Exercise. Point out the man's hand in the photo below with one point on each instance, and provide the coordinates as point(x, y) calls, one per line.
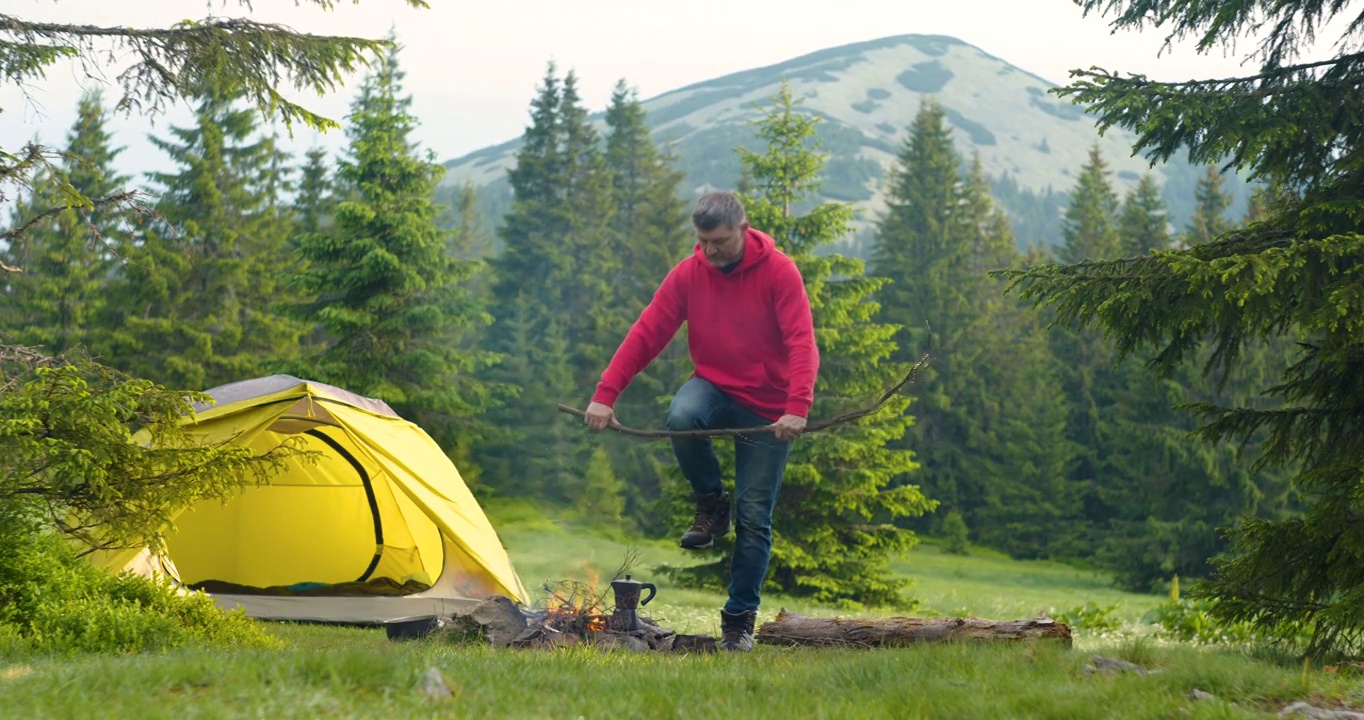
point(599, 416)
point(788, 427)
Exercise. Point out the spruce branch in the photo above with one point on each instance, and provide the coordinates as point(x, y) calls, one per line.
point(1218, 23)
point(177, 61)
point(119, 198)
point(1220, 84)
point(126, 199)
point(839, 419)
point(1296, 123)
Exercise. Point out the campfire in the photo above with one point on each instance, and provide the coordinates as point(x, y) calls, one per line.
point(572, 607)
point(576, 613)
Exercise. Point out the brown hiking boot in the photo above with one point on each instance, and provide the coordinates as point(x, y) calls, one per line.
point(712, 521)
point(736, 630)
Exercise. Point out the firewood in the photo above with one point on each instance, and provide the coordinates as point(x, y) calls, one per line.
point(794, 629)
point(496, 619)
point(695, 644)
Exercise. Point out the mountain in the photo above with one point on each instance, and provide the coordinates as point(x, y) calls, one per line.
point(1031, 143)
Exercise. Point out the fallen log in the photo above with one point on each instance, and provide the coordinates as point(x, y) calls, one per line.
point(794, 629)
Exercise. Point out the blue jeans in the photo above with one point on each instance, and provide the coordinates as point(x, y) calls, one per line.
point(760, 462)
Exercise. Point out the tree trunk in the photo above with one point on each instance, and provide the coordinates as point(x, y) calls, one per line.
point(793, 629)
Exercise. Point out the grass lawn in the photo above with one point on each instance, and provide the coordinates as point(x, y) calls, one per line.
point(349, 672)
point(990, 585)
point(335, 673)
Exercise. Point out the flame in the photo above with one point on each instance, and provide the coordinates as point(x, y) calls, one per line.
point(574, 606)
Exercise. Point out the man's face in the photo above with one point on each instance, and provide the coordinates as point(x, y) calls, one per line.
point(723, 245)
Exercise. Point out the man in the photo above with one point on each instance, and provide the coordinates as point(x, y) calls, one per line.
point(752, 341)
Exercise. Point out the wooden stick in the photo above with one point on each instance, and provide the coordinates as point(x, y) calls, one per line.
point(840, 419)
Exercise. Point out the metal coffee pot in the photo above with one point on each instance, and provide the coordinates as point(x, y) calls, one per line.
point(627, 593)
point(625, 618)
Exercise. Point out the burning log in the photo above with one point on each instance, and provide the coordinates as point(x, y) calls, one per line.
point(793, 629)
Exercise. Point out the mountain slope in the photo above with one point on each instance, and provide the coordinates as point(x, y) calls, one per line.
point(1031, 144)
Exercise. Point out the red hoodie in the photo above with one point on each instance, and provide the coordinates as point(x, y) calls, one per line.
point(749, 331)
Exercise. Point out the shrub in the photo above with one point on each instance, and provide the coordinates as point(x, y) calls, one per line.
point(71, 452)
point(92, 459)
point(956, 536)
point(1193, 621)
point(52, 601)
point(1091, 618)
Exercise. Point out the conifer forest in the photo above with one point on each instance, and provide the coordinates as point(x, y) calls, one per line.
point(1164, 403)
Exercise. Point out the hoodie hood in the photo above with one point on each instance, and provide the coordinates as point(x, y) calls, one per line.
point(758, 245)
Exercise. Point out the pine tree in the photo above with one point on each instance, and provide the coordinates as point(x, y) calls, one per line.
point(532, 256)
point(1169, 496)
point(1165, 497)
point(1157, 510)
point(924, 248)
point(1088, 226)
point(1143, 226)
point(1005, 399)
point(1090, 381)
point(602, 501)
point(988, 231)
point(1088, 375)
point(650, 234)
point(469, 243)
point(592, 328)
point(68, 257)
point(470, 240)
point(987, 420)
point(1016, 446)
point(1293, 276)
point(1211, 203)
point(920, 237)
point(651, 221)
point(1153, 499)
point(554, 277)
point(833, 529)
point(391, 300)
point(194, 306)
point(532, 452)
point(314, 204)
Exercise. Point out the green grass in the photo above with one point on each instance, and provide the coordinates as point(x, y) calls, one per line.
point(342, 673)
point(350, 672)
point(986, 584)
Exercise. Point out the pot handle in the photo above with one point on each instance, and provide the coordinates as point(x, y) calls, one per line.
point(652, 591)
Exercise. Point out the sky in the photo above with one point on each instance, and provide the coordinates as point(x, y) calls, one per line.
point(472, 67)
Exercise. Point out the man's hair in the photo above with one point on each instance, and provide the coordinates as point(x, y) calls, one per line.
point(718, 208)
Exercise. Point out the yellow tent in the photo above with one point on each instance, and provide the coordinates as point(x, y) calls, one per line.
point(378, 528)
